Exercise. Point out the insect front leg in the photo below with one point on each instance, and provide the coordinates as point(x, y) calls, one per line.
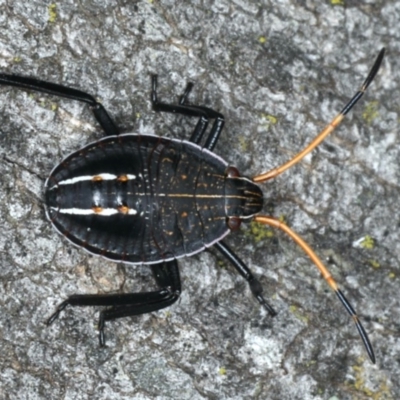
point(100, 113)
point(243, 269)
point(204, 114)
point(128, 304)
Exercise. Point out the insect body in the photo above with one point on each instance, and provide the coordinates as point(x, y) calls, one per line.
point(151, 200)
point(142, 199)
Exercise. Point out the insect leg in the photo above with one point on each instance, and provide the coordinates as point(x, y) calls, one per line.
point(243, 270)
point(204, 114)
point(54, 89)
point(127, 304)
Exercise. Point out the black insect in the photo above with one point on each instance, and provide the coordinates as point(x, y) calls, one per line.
point(141, 199)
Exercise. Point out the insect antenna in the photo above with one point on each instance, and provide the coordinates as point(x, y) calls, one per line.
point(328, 129)
point(325, 274)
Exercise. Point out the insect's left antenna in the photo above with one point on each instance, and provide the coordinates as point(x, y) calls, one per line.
point(329, 128)
point(326, 275)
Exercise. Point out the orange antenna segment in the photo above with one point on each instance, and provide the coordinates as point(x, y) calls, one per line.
point(328, 129)
point(325, 273)
point(306, 248)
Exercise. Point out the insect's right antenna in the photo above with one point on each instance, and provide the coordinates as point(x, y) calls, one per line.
point(328, 129)
point(326, 275)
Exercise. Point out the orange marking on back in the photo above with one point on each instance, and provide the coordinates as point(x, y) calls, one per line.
point(122, 178)
point(123, 209)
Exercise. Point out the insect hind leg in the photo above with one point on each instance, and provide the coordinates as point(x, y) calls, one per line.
point(204, 114)
point(100, 113)
point(128, 304)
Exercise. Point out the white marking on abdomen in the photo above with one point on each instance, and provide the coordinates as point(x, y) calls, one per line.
point(105, 212)
point(104, 177)
point(71, 181)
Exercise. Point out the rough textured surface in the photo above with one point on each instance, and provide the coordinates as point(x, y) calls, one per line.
point(278, 71)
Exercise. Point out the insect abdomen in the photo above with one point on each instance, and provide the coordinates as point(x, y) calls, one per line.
point(138, 199)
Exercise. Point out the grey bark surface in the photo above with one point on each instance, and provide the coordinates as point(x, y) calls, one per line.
point(278, 71)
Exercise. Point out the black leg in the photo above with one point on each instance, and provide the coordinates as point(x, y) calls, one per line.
point(204, 114)
point(99, 111)
point(243, 270)
point(127, 304)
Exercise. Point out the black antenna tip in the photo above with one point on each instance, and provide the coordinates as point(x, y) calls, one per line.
point(365, 339)
point(374, 69)
point(360, 328)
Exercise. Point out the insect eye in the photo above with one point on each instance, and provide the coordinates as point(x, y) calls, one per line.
point(233, 223)
point(232, 172)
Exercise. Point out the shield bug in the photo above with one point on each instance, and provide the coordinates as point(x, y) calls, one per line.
point(141, 199)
